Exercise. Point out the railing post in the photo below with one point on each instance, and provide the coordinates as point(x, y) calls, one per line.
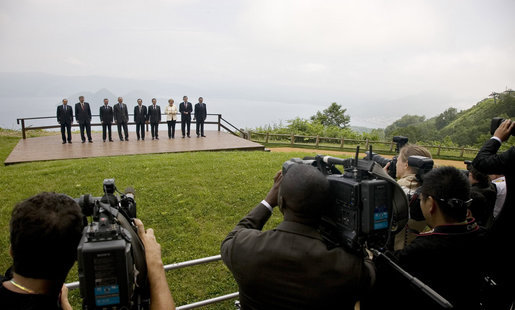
point(267, 135)
point(462, 150)
point(438, 152)
point(366, 144)
point(23, 128)
point(318, 141)
point(219, 121)
point(292, 139)
point(391, 146)
point(343, 141)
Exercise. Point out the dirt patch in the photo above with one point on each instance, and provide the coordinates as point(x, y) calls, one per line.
point(438, 162)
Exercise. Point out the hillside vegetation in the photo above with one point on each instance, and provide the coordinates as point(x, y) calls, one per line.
point(452, 128)
point(469, 127)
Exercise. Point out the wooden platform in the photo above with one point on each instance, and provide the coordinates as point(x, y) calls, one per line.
point(51, 147)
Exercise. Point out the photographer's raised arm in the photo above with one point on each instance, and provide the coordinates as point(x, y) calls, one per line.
point(160, 295)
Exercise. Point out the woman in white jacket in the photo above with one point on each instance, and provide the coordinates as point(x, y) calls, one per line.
point(171, 118)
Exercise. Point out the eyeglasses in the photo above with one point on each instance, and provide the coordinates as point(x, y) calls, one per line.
point(451, 202)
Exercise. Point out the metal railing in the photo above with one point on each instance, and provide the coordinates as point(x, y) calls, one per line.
point(26, 127)
point(200, 261)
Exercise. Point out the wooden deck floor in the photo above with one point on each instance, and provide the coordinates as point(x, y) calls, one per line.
point(51, 147)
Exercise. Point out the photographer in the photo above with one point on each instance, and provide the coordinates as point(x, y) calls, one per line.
point(44, 232)
point(408, 180)
point(448, 258)
point(290, 267)
point(501, 233)
point(483, 193)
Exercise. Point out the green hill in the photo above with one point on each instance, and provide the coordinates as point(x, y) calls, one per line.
point(469, 127)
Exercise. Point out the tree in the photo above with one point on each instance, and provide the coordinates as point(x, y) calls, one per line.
point(446, 118)
point(334, 115)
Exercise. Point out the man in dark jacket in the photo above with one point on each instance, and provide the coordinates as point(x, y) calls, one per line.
point(154, 116)
point(200, 116)
point(121, 118)
point(65, 119)
point(106, 118)
point(83, 117)
point(290, 267)
point(140, 118)
point(501, 233)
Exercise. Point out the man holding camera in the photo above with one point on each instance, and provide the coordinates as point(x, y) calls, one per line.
point(501, 233)
point(290, 267)
point(45, 231)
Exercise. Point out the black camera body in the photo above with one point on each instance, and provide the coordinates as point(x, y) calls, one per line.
point(494, 124)
point(400, 141)
point(361, 211)
point(111, 257)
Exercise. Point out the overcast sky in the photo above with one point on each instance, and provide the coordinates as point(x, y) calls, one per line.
point(376, 58)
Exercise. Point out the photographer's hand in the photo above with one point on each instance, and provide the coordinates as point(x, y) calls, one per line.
point(160, 296)
point(272, 195)
point(63, 298)
point(503, 132)
point(385, 168)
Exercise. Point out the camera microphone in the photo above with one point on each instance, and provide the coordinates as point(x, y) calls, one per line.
point(129, 192)
point(337, 161)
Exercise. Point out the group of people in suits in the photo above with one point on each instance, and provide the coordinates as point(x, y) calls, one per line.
point(120, 116)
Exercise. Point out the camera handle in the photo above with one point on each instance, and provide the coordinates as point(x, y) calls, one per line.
point(442, 302)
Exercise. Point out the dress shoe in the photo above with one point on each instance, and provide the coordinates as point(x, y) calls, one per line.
point(126, 139)
point(69, 142)
point(152, 138)
point(189, 136)
point(157, 138)
point(104, 140)
point(110, 140)
point(183, 137)
point(90, 141)
point(64, 142)
point(83, 141)
point(203, 136)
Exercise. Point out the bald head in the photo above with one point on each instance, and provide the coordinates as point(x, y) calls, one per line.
point(304, 192)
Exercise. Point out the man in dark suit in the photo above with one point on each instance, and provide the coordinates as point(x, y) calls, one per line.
point(290, 267)
point(154, 116)
point(106, 118)
point(83, 117)
point(501, 233)
point(121, 118)
point(185, 108)
point(200, 116)
point(140, 117)
point(65, 119)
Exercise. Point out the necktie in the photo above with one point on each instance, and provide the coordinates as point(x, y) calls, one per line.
point(82, 106)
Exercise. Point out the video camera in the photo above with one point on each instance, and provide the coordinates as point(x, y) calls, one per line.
point(111, 256)
point(366, 207)
point(400, 141)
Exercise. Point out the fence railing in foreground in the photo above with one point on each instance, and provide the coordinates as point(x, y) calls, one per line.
point(204, 260)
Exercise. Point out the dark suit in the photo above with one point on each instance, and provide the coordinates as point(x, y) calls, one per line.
point(154, 116)
point(200, 116)
point(140, 117)
point(83, 117)
point(106, 118)
point(290, 267)
point(185, 110)
point(501, 233)
point(121, 117)
point(65, 118)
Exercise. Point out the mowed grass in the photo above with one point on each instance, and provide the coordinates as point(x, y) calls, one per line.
point(191, 200)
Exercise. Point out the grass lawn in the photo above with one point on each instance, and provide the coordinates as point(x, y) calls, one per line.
point(192, 200)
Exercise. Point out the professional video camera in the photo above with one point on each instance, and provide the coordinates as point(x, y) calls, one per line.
point(400, 141)
point(111, 257)
point(366, 207)
point(494, 124)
